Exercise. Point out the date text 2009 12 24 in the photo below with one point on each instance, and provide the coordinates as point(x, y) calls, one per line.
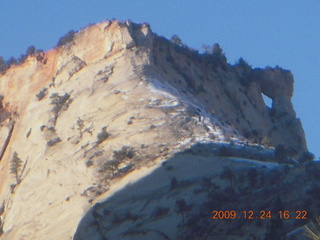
point(299, 214)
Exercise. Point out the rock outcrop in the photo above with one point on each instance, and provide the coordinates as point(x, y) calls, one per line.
point(91, 117)
point(233, 94)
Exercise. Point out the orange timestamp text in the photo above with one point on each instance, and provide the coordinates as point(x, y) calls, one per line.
point(299, 214)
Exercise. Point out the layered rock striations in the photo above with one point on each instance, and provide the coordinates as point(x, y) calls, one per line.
point(115, 102)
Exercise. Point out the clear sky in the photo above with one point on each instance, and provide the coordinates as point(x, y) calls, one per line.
point(264, 33)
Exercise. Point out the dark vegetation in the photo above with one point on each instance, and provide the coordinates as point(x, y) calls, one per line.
point(80, 127)
point(53, 141)
point(103, 135)
point(125, 152)
point(32, 51)
point(212, 57)
point(175, 39)
point(215, 56)
point(61, 103)
point(181, 208)
point(43, 92)
point(109, 168)
point(119, 156)
point(67, 38)
point(228, 174)
point(15, 167)
point(4, 65)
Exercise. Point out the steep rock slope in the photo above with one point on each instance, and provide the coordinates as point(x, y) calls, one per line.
point(120, 99)
point(233, 94)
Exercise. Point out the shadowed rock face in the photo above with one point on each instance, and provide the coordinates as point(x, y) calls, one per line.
point(116, 100)
point(149, 208)
point(234, 93)
point(277, 84)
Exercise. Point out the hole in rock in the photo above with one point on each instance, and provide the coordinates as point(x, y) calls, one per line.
point(267, 101)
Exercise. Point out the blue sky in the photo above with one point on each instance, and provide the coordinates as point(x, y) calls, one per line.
point(264, 33)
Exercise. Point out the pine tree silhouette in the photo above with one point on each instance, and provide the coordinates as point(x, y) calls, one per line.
point(275, 227)
point(182, 208)
point(15, 166)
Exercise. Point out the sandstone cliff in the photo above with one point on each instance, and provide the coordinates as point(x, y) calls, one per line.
point(118, 101)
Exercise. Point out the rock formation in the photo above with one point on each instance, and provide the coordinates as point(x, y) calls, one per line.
point(104, 111)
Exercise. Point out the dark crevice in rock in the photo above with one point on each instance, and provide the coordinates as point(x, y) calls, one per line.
point(5, 145)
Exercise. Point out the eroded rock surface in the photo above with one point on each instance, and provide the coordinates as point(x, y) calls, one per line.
point(118, 99)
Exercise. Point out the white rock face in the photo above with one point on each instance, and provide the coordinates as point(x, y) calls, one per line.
point(112, 87)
